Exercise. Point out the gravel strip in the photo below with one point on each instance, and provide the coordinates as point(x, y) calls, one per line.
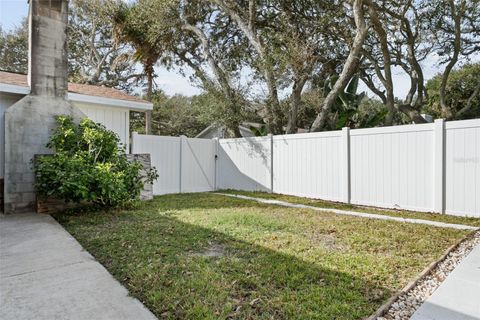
point(408, 302)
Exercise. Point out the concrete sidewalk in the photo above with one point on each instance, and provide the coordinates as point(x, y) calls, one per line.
point(458, 297)
point(46, 274)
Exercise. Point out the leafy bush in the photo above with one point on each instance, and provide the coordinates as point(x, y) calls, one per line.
point(89, 164)
point(462, 95)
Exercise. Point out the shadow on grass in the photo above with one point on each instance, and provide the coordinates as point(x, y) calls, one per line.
point(163, 262)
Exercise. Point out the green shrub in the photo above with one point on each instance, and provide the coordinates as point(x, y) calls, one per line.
point(88, 165)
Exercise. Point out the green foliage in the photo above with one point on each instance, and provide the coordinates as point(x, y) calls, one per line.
point(14, 48)
point(259, 132)
point(88, 165)
point(181, 115)
point(347, 102)
point(461, 93)
point(176, 115)
point(371, 113)
point(347, 107)
point(93, 55)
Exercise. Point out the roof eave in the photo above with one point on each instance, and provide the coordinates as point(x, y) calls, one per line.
point(132, 105)
point(77, 97)
point(15, 89)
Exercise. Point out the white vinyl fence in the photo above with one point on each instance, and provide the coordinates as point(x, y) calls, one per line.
point(183, 164)
point(429, 167)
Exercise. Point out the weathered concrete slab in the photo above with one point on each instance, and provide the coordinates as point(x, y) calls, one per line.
point(46, 274)
point(458, 297)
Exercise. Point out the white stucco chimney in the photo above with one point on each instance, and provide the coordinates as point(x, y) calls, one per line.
point(30, 121)
point(47, 69)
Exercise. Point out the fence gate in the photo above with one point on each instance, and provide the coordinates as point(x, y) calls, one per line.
point(183, 164)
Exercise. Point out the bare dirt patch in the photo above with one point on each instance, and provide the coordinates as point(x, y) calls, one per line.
point(214, 250)
point(326, 240)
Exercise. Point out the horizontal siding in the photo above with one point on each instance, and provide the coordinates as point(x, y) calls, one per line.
point(5, 102)
point(114, 119)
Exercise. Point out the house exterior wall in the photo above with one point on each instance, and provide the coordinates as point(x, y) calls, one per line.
point(115, 119)
point(5, 102)
point(28, 126)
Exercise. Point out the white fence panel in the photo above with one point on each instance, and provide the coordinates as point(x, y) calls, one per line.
point(427, 167)
point(165, 156)
point(462, 167)
point(244, 164)
point(183, 164)
point(310, 165)
point(198, 165)
point(393, 167)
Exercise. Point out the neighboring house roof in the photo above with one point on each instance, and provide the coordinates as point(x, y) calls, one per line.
point(216, 130)
point(17, 83)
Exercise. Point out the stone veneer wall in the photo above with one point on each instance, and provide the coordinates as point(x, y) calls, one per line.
point(144, 159)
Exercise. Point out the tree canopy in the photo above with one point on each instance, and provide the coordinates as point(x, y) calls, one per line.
point(273, 59)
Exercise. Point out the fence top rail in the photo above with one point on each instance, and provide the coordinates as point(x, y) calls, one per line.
point(151, 136)
point(473, 123)
point(248, 139)
point(353, 132)
point(310, 135)
point(200, 140)
point(393, 129)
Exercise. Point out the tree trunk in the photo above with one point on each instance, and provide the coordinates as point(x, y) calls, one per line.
point(274, 110)
point(348, 69)
point(412, 113)
point(221, 77)
point(295, 104)
point(148, 114)
point(236, 131)
point(248, 28)
point(469, 104)
point(387, 61)
point(457, 16)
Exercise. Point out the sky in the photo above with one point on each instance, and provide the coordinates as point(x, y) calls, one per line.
point(12, 12)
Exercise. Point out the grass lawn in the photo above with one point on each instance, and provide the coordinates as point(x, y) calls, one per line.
point(343, 206)
point(207, 256)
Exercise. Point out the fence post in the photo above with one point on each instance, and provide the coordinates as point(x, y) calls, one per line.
point(215, 159)
point(181, 142)
point(439, 166)
point(133, 144)
point(346, 164)
point(270, 136)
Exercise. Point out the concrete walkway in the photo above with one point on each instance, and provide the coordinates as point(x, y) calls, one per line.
point(353, 213)
point(46, 274)
point(458, 297)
